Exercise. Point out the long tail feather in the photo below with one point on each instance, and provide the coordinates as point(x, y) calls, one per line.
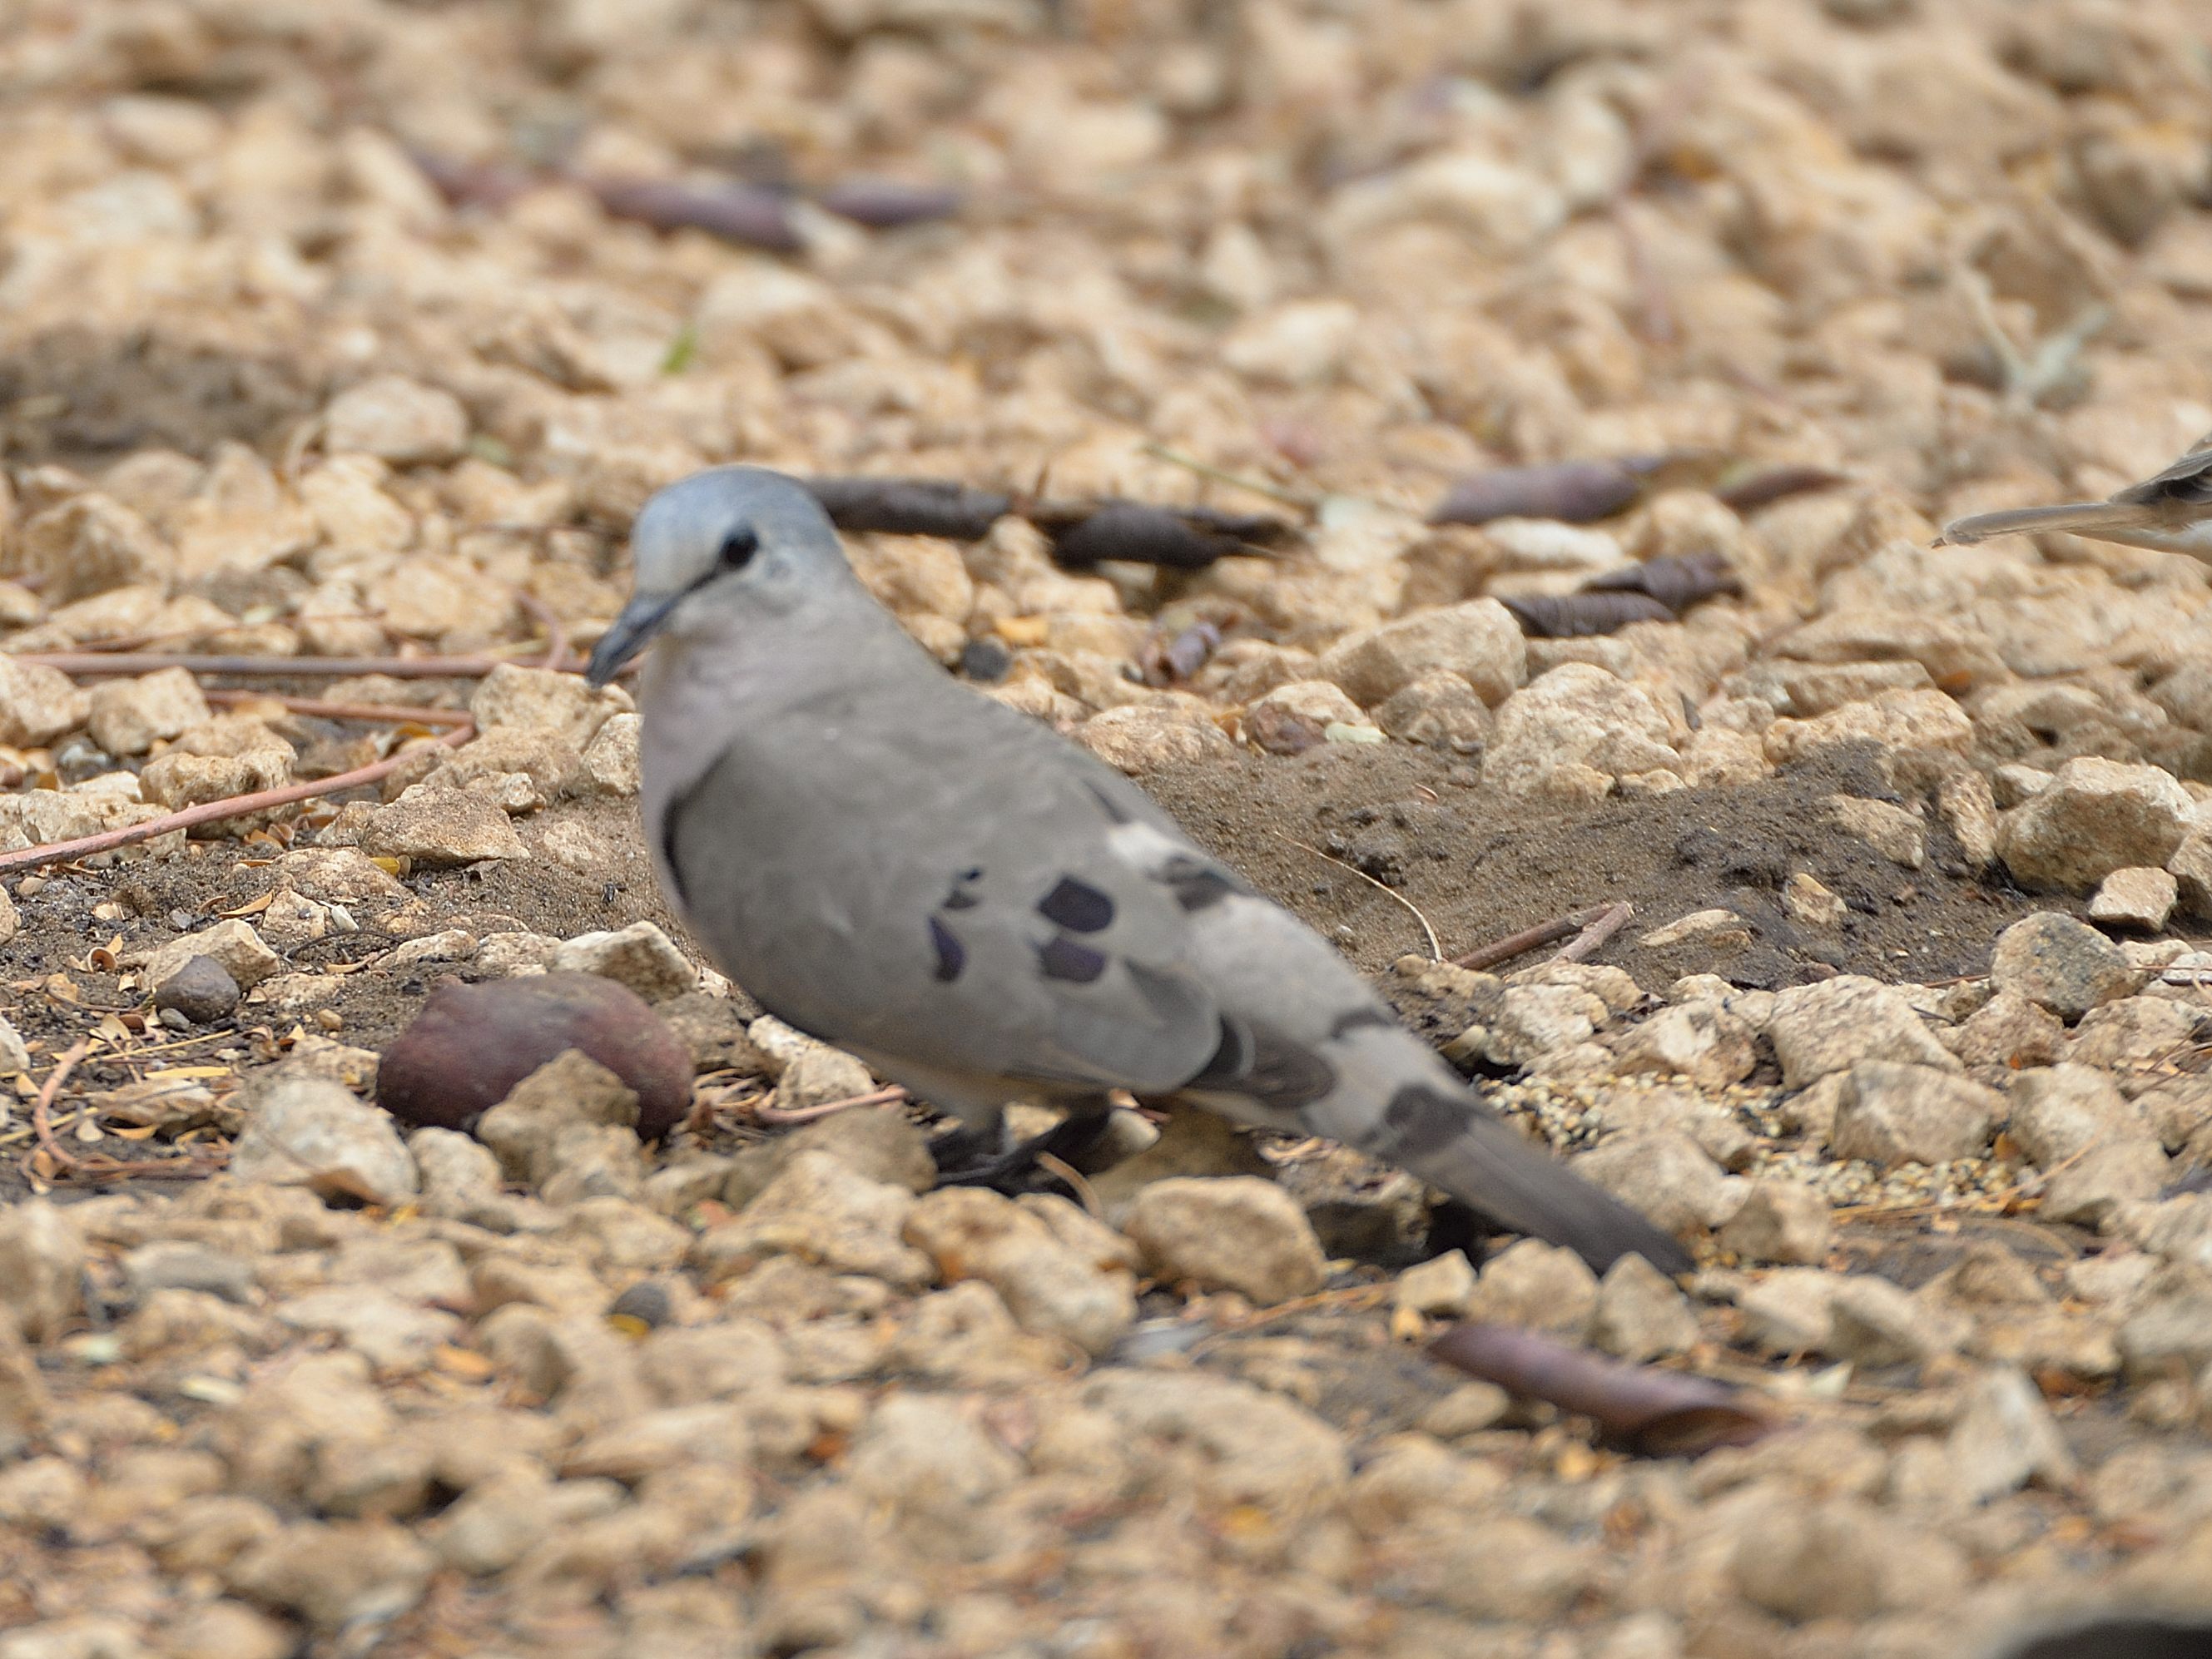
point(2088, 517)
point(1488, 1164)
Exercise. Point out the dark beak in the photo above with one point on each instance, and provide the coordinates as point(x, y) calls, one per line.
point(632, 632)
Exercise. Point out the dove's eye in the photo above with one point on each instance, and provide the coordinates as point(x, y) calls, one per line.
point(737, 547)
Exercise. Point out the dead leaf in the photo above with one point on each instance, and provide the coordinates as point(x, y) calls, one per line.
point(1662, 1413)
point(1677, 582)
point(1575, 492)
point(1579, 616)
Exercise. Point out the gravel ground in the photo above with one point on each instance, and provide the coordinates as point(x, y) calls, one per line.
point(332, 331)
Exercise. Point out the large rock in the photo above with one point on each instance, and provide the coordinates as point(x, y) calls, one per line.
point(1832, 1024)
point(233, 946)
point(1240, 1233)
point(1538, 1286)
point(2008, 1031)
point(1891, 1114)
point(2168, 1328)
point(1068, 1280)
point(356, 1573)
point(569, 1129)
point(89, 543)
point(128, 716)
point(510, 696)
point(1781, 1221)
point(1141, 737)
point(397, 420)
point(2058, 1112)
point(1666, 1176)
point(641, 956)
point(303, 1130)
point(610, 766)
point(1920, 735)
point(441, 827)
point(2062, 964)
point(2094, 816)
point(820, 1210)
point(1839, 1559)
point(2108, 1175)
point(37, 704)
point(1640, 1315)
point(1702, 1040)
point(41, 1270)
point(2138, 898)
point(1479, 642)
point(1574, 732)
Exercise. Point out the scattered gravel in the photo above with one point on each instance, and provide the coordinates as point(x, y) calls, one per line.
point(577, 1349)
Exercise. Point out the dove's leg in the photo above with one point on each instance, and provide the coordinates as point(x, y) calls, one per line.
point(1075, 1134)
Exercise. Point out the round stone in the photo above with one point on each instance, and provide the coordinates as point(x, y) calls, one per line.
point(202, 990)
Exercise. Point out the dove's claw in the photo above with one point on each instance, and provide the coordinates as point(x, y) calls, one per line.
point(1016, 1171)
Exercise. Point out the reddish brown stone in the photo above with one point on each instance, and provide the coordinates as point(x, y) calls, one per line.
point(473, 1043)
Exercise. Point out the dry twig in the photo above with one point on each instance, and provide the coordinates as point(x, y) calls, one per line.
point(1436, 950)
point(320, 708)
point(890, 1094)
point(42, 1104)
point(1601, 927)
point(214, 812)
point(148, 662)
point(1513, 944)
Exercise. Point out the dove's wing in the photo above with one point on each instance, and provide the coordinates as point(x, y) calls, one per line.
point(960, 890)
point(2187, 483)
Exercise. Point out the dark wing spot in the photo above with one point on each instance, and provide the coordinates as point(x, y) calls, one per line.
point(957, 900)
point(1077, 906)
point(1421, 1118)
point(1196, 886)
point(1346, 1024)
point(1063, 959)
point(951, 956)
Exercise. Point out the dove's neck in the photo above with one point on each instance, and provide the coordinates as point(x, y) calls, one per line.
point(733, 671)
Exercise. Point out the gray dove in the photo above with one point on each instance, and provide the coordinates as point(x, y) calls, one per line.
point(2169, 512)
point(980, 909)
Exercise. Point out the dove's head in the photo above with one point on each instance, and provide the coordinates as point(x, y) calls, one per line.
point(735, 540)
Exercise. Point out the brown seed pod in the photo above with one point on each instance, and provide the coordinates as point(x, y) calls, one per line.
point(1677, 582)
point(1140, 533)
point(1577, 492)
point(889, 203)
point(909, 507)
point(1576, 615)
point(472, 1043)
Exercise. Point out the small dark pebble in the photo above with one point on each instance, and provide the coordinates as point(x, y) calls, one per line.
point(472, 1043)
point(986, 661)
point(647, 1301)
point(202, 990)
